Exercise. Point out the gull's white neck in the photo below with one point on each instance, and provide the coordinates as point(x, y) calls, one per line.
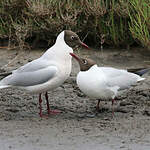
point(60, 37)
point(59, 49)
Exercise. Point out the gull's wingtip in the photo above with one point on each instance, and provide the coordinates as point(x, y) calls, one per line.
point(4, 86)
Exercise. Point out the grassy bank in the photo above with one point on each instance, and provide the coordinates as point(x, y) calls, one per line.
point(109, 22)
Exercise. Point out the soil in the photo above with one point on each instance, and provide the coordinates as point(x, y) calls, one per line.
point(79, 126)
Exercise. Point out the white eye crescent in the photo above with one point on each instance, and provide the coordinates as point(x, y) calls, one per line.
point(85, 61)
point(72, 37)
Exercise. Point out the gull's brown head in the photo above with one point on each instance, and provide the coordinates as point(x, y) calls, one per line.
point(85, 63)
point(73, 40)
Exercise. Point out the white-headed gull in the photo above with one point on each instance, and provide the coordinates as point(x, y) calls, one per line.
point(47, 72)
point(104, 82)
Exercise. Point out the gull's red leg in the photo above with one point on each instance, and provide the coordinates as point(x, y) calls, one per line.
point(113, 100)
point(97, 106)
point(40, 105)
point(47, 103)
point(49, 111)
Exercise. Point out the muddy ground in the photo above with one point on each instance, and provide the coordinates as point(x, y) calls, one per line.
point(78, 126)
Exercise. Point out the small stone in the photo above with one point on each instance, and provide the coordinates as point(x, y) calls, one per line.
point(146, 112)
point(122, 110)
point(12, 110)
point(10, 147)
point(124, 103)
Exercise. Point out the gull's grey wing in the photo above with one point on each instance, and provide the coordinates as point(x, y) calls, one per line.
point(112, 72)
point(34, 65)
point(30, 78)
point(122, 81)
point(120, 78)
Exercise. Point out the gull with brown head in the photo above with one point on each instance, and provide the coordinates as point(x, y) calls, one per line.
point(104, 82)
point(47, 72)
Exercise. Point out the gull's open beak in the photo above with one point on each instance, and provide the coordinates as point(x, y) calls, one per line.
point(75, 56)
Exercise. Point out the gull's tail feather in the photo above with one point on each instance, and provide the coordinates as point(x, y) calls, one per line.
point(141, 79)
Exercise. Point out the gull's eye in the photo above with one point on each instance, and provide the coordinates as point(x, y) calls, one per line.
point(72, 37)
point(85, 61)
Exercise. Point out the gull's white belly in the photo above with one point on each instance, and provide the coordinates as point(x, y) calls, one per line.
point(93, 86)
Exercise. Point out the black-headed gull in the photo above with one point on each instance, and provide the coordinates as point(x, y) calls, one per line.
point(104, 82)
point(47, 72)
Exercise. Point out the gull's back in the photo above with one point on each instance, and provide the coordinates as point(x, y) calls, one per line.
point(119, 77)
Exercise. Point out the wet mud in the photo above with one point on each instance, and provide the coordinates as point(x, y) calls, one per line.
point(79, 126)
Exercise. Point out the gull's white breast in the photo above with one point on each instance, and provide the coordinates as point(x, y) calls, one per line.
point(93, 84)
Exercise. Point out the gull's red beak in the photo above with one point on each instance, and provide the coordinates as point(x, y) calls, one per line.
point(84, 45)
point(75, 56)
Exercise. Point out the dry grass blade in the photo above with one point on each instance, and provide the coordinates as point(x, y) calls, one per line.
point(27, 22)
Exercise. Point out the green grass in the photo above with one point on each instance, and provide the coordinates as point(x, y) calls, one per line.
point(122, 22)
point(140, 21)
